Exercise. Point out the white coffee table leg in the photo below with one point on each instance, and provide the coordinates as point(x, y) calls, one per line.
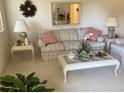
point(33, 55)
point(65, 75)
point(116, 69)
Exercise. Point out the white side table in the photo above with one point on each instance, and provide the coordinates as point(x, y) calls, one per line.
point(29, 47)
point(108, 41)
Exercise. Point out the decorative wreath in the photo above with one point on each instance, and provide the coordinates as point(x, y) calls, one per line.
point(28, 9)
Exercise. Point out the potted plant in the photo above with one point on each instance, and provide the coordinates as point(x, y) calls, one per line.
point(84, 51)
point(21, 83)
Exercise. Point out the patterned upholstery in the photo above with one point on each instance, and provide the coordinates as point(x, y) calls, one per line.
point(69, 35)
point(69, 39)
point(96, 45)
point(117, 50)
point(57, 32)
point(53, 48)
point(81, 33)
point(71, 45)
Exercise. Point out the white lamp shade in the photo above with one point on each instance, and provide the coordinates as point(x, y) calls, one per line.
point(21, 26)
point(112, 22)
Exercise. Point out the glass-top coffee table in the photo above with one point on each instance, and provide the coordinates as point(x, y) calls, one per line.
point(76, 64)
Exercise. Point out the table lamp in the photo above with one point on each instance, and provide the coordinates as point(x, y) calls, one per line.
point(22, 27)
point(111, 24)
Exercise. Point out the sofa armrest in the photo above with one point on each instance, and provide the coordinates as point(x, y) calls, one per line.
point(40, 43)
point(119, 41)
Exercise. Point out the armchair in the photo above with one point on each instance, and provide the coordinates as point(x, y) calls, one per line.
point(117, 49)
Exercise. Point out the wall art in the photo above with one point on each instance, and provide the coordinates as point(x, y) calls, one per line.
point(28, 9)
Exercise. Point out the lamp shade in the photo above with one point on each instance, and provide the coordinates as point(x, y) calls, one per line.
point(112, 22)
point(21, 26)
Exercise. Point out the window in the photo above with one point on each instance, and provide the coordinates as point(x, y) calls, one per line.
point(1, 23)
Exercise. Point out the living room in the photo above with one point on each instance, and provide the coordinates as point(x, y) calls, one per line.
point(93, 13)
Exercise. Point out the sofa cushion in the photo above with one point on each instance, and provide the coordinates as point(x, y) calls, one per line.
point(69, 34)
point(53, 47)
point(95, 33)
point(81, 33)
point(70, 45)
point(57, 33)
point(49, 37)
point(119, 41)
point(96, 45)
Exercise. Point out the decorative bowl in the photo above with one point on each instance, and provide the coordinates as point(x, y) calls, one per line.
point(71, 55)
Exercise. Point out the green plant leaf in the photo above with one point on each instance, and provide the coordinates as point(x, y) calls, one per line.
point(40, 88)
point(21, 77)
point(4, 89)
point(30, 75)
point(7, 84)
point(28, 78)
point(19, 84)
point(36, 88)
point(44, 82)
point(7, 78)
point(35, 79)
point(16, 82)
point(33, 82)
point(11, 89)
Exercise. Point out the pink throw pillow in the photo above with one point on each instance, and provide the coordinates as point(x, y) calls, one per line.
point(93, 33)
point(49, 38)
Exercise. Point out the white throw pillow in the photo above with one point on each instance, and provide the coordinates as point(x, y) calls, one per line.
point(119, 41)
point(100, 39)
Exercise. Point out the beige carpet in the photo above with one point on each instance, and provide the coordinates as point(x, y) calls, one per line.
point(96, 79)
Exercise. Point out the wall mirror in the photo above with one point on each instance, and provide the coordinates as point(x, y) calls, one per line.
point(65, 13)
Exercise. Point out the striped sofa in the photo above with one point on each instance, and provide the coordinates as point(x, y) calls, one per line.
point(69, 39)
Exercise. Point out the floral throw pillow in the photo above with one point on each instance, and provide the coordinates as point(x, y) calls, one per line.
point(93, 33)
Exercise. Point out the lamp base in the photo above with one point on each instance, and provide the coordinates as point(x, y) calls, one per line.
point(111, 32)
point(23, 35)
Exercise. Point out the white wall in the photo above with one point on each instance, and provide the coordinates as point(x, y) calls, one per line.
point(94, 13)
point(116, 8)
point(4, 49)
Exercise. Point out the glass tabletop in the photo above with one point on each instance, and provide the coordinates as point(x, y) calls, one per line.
point(76, 59)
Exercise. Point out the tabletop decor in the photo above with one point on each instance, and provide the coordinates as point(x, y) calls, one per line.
point(71, 55)
point(101, 54)
point(21, 27)
point(85, 51)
